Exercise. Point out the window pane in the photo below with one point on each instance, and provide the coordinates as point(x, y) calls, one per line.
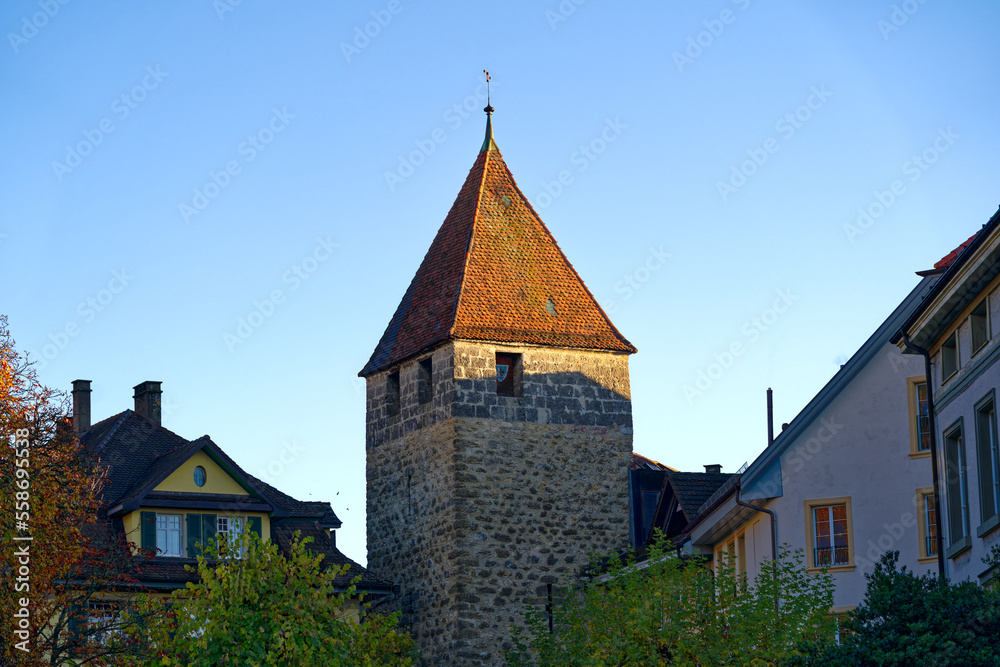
point(931, 526)
point(923, 420)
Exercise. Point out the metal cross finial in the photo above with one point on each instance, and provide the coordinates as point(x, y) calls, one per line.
point(489, 108)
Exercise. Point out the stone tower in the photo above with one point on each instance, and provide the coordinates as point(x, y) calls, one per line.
point(499, 425)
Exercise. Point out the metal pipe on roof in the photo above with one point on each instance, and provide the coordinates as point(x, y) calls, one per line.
point(770, 418)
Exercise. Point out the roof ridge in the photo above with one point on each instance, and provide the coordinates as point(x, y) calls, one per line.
point(114, 428)
point(472, 236)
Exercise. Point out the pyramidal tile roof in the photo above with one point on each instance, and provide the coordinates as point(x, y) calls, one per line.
point(494, 273)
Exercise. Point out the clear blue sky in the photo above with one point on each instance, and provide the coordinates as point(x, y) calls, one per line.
point(120, 223)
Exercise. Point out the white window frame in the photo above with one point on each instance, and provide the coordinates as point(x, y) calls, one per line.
point(164, 528)
point(230, 525)
point(103, 619)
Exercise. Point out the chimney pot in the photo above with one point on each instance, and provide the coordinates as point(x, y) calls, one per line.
point(147, 400)
point(81, 407)
point(713, 467)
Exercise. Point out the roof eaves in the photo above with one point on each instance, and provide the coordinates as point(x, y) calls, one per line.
point(963, 257)
point(838, 382)
point(719, 497)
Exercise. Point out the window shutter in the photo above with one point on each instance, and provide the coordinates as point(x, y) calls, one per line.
point(147, 522)
point(209, 527)
point(194, 535)
point(255, 525)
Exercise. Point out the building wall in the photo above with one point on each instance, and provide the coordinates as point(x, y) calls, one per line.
point(955, 400)
point(859, 448)
point(217, 480)
point(478, 502)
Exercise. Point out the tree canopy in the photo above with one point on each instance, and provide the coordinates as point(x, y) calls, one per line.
point(673, 610)
point(255, 606)
point(916, 620)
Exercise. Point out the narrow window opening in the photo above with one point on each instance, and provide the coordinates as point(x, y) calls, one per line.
point(923, 418)
point(425, 381)
point(949, 356)
point(980, 325)
point(392, 394)
point(989, 460)
point(930, 525)
point(508, 374)
point(957, 486)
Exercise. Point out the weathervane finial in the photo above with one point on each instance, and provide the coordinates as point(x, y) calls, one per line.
point(489, 108)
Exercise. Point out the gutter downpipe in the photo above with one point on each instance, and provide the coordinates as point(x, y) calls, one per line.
point(774, 521)
point(934, 453)
point(774, 534)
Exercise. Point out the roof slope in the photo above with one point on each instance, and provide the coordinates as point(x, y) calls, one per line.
point(137, 453)
point(693, 489)
point(752, 478)
point(494, 272)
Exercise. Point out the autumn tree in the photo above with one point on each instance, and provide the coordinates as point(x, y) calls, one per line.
point(254, 606)
point(674, 610)
point(58, 558)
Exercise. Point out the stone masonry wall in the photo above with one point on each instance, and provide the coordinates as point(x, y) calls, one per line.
point(477, 502)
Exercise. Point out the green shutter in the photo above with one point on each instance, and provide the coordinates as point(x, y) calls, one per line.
point(209, 527)
point(194, 535)
point(147, 522)
point(255, 524)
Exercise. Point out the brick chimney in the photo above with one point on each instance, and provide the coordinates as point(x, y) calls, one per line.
point(147, 400)
point(713, 467)
point(81, 407)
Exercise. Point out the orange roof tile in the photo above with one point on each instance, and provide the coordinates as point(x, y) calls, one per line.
point(494, 273)
point(948, 259)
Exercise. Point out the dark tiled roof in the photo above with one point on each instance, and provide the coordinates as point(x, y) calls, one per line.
point(692, 489)
point(283, 532)
point(490, 274)
point(129, 446)
point(137, 454)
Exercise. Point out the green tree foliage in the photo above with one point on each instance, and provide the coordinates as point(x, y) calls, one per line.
point(264, 608)
point(670, 610)
point(910, 620)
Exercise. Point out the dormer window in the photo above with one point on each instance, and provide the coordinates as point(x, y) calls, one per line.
point(199, 477)
point(168, 534)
